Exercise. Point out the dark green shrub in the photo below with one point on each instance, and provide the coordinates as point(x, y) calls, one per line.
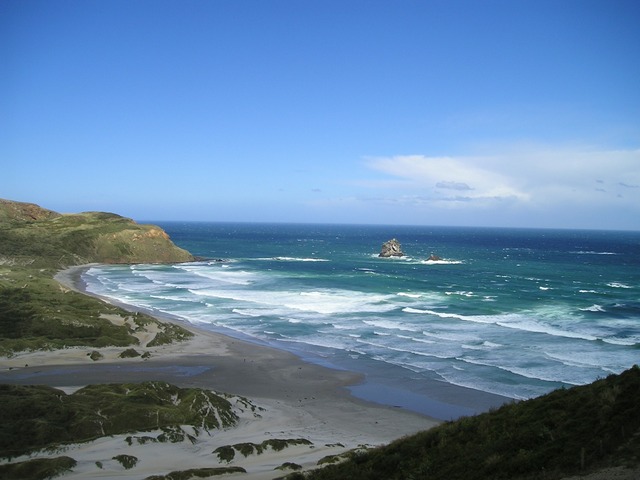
point(225, 453)
point(37, 469)
point(129, 353)
point(127, 461)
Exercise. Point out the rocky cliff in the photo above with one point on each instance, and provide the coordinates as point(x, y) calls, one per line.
point(32, 235)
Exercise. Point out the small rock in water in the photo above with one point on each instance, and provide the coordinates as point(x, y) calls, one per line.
point(391, 248)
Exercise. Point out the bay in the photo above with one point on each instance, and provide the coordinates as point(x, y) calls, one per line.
point(511, 312)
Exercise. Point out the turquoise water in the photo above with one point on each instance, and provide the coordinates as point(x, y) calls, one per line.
point(510, 312)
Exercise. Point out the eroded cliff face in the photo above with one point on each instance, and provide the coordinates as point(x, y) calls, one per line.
point(32, 235)
point(144, 244)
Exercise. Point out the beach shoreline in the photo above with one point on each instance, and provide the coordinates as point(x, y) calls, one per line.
point(434, 399)
point(337, 409)
point(300, 399)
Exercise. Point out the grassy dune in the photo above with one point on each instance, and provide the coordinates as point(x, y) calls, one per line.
point(35, 417)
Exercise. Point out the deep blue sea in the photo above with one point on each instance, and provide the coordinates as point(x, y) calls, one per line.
point(514, 312)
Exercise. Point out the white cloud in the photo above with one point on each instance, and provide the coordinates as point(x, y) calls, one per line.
point(525, 175)
point(453, 185)
point(441, 175)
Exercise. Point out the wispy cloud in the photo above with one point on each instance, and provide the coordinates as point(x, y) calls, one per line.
point(533, 176)
point(442, 177)
point(453, 185)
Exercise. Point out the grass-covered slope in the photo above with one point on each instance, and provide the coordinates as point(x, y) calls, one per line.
point(566, 432)
point(36, 237)
point(37, 417)
point(36, 312)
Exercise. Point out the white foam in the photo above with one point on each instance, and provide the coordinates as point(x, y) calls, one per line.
point(441, 262)
point(462, 293)
point(512, 321)
point(437, 314)
point(297, 259)
point(326, 302)
point(422, 340)
point(390, 325)
point(482, 346)
point(593, 308)
point(533, 373)
point(528, 325)
point(451, 337)
point(591, 252)
point(246, 312)
point(410, 295)
point(430, 353)
point(579, 359)
point(321, 341)
point(170, 298)
point(339, 301)
point(618, 285)
point(339, 326)
point(628, 342)
point(225, 276)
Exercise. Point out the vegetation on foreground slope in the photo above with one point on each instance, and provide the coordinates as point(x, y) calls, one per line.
point(43, 419)
point(36, 312)
point(34, 417)
point(565, 432)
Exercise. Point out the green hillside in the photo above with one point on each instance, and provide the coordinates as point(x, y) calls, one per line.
point(36, 312)
point(39, 238)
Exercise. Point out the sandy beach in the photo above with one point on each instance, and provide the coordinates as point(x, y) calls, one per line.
point(296, 400)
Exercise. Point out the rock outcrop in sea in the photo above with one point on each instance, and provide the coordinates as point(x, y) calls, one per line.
point(391, 248)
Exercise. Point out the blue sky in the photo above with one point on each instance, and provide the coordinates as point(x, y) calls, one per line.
point(436, 112)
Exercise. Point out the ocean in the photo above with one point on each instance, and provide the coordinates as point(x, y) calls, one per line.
point(510, 312)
